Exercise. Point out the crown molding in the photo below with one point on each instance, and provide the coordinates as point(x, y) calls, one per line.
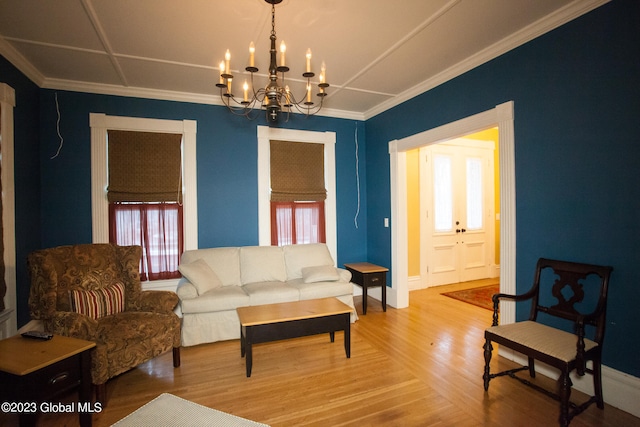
point(164, 95)
point(550, 22)
point(20, 62)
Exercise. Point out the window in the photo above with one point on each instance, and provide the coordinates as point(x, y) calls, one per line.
point(297, 193)
point(100, 125)
point(327, 140)
point(443, 193)
point(295, 223)
point(157, 227)
point(145, 197)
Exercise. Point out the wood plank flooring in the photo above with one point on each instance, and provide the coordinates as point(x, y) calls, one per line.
point(420, 366)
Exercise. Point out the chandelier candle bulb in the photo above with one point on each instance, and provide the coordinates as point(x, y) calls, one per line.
point(283, 49)
point(227, 59)
point(308, 60)
point(252, 51)
point(246, 91)
point(229, 86)
point(221, 72)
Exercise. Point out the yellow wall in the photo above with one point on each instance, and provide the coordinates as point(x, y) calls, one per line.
point(413, 201)
point(413, 211)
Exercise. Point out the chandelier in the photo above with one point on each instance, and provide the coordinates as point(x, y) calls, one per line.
point(275, 97)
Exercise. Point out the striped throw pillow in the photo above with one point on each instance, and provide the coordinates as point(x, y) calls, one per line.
point(99, 302)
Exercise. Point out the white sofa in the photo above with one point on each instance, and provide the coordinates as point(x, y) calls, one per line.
point(218, 280)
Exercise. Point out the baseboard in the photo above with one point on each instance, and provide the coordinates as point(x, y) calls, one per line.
point(414, 283)
point(495, 270)
point(619, 390)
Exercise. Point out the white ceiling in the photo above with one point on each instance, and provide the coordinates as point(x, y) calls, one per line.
point(378, 53)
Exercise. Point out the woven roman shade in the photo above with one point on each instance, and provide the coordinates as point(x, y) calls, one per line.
point(297, 172)
point(144, 167)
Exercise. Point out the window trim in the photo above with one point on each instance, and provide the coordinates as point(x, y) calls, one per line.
point(328, 139)
point(99, 124)
point(8, 317)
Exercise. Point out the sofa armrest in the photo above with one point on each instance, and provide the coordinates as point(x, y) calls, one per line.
point(72, 324)
point(157, 301)
point(186, 290)
point(345, 275)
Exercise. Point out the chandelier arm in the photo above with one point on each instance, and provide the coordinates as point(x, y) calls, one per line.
point(239, 109)
point(253, 89)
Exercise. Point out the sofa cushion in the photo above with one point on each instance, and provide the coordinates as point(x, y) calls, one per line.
point(262, 264)
point(321, 289)
point(297, 257)
point(270, 293)
point(224, 261)
point(220, 299)
point(320, 273)
point(98, 303)
point(200, 275)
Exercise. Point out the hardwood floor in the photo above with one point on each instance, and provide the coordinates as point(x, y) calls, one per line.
point(420, 366)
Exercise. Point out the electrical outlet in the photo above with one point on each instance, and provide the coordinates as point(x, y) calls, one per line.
point(386, 222)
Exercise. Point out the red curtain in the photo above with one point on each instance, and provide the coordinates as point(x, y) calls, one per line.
point(154, 226)
point(297, 223)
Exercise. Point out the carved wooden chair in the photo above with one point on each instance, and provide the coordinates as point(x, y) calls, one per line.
point(93, 292)
point(565, 294)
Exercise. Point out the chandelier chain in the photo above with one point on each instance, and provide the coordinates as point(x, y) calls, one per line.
point(273, 20)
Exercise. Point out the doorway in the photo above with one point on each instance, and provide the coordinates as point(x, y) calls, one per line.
point(501, 117)
point(453, 211)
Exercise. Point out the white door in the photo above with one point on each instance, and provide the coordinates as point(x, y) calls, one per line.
point(457, 211)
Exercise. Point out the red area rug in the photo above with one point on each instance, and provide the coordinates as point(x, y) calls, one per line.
point(477, 296)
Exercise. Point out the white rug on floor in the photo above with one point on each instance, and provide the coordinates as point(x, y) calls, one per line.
point(170, 410)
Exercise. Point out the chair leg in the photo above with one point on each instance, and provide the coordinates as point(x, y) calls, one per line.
point(101, 393)
point(176, 357)
point(565, 394)
point(488, 348)
point(597, 383)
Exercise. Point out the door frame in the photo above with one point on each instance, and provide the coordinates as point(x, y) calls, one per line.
point(501, 116)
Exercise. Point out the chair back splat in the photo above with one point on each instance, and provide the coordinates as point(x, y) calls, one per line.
point(565, 328)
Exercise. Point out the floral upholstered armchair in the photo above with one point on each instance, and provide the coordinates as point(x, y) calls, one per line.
point(93, 292)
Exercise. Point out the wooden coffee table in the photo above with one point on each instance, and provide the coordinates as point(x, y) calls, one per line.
point(32, 372)
point(272, 322)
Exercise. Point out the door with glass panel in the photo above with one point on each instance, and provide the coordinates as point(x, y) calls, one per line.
point(457, 211)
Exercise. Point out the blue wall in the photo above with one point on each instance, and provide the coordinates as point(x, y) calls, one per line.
point(577, 99)
point(576, 92)
point(226, 155)
point(26, 116)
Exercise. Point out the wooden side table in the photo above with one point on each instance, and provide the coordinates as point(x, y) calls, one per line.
point(33, 371)
point(367, 275)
